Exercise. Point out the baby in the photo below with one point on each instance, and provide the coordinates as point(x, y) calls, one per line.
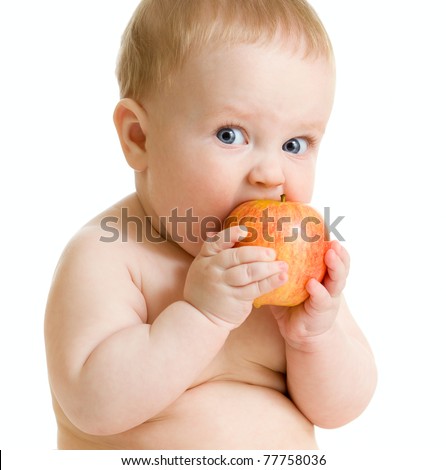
point(152, 340)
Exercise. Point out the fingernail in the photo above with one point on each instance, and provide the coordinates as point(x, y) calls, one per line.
point(270, 253)
point(283, 266)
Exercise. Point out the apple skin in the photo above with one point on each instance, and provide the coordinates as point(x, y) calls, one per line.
point(304, 250)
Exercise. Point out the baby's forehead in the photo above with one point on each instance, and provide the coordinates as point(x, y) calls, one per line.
point(220, 62)
point(247, 84)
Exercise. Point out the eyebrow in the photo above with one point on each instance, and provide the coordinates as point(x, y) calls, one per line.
point(234, 110)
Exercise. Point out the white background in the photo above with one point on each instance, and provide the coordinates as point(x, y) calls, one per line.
point(381, 166)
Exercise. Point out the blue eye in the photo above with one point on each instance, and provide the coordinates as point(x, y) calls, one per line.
point(295, 145)
point(231, 135)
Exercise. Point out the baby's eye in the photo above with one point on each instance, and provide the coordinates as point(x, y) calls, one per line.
point(231, 135)
point(295, 145)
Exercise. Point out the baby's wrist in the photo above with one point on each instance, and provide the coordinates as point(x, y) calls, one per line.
point(212, 319)
point(314, 343)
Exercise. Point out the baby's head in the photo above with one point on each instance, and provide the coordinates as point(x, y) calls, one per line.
point(222, 101)
point(163, 34)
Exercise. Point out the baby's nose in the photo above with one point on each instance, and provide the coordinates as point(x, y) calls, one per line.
point(268, 173)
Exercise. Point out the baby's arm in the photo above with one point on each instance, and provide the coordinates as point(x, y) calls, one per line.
point(331, 372)
point(332, 379)
point(109, 370)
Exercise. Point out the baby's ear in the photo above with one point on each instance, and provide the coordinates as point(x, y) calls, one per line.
point(130, 122)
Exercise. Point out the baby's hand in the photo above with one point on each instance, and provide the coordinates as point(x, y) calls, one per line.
point(223, 281)
point(317, 314)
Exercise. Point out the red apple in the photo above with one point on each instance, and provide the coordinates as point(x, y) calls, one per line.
point(297, 233)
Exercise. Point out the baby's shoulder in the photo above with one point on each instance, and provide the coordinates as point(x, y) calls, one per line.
point(93, 275)
point(105, 244)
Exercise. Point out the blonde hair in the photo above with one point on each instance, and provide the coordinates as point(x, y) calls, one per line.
point(162, 34)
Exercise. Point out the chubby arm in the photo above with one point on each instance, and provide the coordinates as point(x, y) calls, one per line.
point(332, 379)
point(108, 369)
point(331, 373)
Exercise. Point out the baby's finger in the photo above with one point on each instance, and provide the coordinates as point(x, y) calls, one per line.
point(320, 299)
point(223, 240)
point(245, 254)
point(336, 276)
point(256, 289)
point(342, 253)
point(245, 274)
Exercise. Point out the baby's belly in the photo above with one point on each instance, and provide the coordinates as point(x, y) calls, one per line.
point(214, 415)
